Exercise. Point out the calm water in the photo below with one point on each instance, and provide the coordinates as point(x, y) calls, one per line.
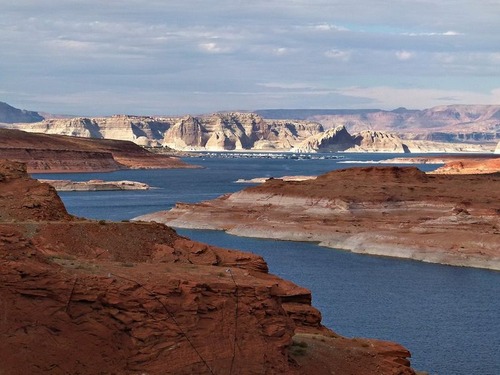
point(448, 317)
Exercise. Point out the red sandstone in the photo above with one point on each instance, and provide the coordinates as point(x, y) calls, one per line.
point(389, 211)
point(58, 153)
point(87, 297)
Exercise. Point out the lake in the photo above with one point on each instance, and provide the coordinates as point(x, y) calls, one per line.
point(448, 317)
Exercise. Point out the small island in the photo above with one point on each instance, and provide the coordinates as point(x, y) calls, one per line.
point(95, 185)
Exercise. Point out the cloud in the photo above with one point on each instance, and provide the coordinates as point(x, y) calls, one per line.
point(213, 47)
point(404, 55)
point(328, 27)
point(339, 55)
point(153, 53)
point(446, 33)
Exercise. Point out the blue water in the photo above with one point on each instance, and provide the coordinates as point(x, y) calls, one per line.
point(448, 317)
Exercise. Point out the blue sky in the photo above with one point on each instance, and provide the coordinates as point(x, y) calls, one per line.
point(155, 57)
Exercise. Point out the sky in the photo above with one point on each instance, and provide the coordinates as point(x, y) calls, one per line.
point(162, 57)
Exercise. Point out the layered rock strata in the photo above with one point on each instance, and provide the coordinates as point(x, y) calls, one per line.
point(236, 131)
point(80, 296)
point(54, 153)
point(389, 211)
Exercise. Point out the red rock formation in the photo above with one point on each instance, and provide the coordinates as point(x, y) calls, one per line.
point(470, 166)
point(390, 211)
point(87, 297)
point(55, 153)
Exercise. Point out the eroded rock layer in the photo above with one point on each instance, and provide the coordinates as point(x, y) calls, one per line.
point(80, 296)
point(234, 131)
point(390, 211)
point(55, 153)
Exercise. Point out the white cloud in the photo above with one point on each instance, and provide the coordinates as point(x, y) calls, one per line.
point(446, 33)
point(404, 55)
point(339, 55)
point(302, 49)
point(328, 27)
point(281, 51)
point(213, 47)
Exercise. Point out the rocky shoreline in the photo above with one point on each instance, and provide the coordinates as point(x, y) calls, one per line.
point(387, 211)
point(81, 296)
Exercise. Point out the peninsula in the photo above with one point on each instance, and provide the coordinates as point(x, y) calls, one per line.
point(48, 153)
point(389, 211)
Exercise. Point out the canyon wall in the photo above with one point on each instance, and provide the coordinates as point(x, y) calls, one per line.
point(458, 128)
point(88, 297)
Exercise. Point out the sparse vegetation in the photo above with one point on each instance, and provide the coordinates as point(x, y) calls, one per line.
point(298, 348)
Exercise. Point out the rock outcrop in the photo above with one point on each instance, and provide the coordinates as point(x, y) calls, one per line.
point(333, 140)
point(219, 131)
point(80, 296)
point(390, 211)
point(340, 140)
point(54, 153)
point(469, 166)
point(458, 128)
point(95, 185)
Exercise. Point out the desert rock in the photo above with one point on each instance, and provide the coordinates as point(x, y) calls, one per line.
point(390, 211)
point(95, 185)
point(81, 296)
point(55, 153)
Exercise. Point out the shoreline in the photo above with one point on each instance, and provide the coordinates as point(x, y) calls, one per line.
point(386, 211)
point(342, 244)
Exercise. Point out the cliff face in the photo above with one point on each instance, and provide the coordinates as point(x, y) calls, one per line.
point(219, 131)
point(55, 153)
point(458, 128)
point(145, 131)
point(80, 296)
point(390, 211)
point(339, 139)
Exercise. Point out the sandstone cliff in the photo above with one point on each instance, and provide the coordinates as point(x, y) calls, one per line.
point(458, 128)
point(141, 130)
point(219, 131)
point(88, 297)
point(333, 140)
point(54, 153)
point(390, 211)
point(339, 139)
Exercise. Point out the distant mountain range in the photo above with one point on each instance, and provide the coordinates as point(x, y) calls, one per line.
point(286, 129)
point(450, 123)
point(10, 115)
